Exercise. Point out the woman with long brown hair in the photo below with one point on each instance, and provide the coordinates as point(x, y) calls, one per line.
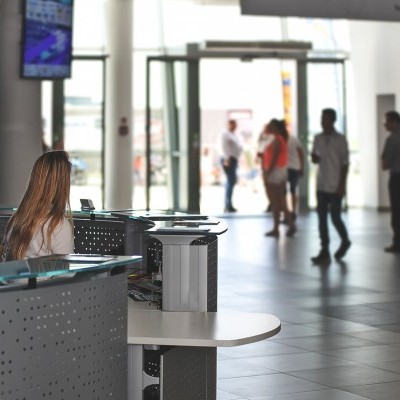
point(42, 224)
point(275, 159)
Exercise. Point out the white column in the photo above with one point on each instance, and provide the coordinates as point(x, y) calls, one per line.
point(118, 151)
point(20, 109)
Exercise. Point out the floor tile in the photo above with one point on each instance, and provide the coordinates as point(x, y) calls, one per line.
point(258, 349)
point(393, 306)
point(326, 341)
point(330, 394)
point(295, 330)
point(234, 368)
point(221, 395)
point(298, 362)
point(263, 385)
point(393, 366)
point(335, 325)
point(380, 391)
point(367, 355)
point(390, 327)
point(378, 335)
point(343, 377)
point(363, 314)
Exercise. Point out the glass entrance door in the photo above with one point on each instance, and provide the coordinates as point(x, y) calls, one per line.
point(173, 145)
point(172, 142)
point(325, 88)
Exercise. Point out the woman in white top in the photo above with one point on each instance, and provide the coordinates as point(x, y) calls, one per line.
point(42, 224)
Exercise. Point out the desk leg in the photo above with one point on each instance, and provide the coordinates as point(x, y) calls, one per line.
point(143, 372)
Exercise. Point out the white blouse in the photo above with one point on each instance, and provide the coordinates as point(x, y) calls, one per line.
point(62, 241)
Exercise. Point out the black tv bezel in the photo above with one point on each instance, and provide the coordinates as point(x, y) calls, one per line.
point(22, 52)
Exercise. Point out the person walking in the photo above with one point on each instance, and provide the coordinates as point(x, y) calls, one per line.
point(231, 151)
point(265, 139)
point(390, 160)
point(275, 160)
point(295, 170)
point(330, 152)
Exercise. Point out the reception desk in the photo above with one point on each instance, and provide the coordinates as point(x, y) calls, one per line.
point(63, 328)
point(80, 323)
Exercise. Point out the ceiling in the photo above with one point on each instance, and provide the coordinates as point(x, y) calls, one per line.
point(373, 10)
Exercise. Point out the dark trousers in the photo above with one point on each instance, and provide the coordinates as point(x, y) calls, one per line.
point(231, 179)
point(332, 203)
point(394, 194)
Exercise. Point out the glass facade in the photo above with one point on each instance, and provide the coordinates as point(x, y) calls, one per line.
point(83, 130)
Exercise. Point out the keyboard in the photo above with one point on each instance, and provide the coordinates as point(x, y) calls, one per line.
point(140, 296)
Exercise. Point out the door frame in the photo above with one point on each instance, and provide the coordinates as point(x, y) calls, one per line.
point(58, 111)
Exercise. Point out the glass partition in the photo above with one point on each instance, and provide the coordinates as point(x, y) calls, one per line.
point(84, 130)
point(325, 89)
point(166, 141)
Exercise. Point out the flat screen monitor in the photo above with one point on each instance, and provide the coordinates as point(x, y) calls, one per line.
point(47, 39)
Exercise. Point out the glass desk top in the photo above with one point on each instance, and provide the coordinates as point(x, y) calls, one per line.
point(160, 221)
point(61, 264)
point(182, 226)
point(145, 215)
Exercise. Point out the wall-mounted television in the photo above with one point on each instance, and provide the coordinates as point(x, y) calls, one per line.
point(47, 39)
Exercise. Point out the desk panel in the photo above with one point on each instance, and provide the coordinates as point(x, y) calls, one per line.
point(66, 339)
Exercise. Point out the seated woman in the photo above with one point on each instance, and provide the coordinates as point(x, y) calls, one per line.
point(275, 160)
point(42, 224)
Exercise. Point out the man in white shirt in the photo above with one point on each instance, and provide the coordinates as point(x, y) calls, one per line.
point(330, 152)
point(231, 150)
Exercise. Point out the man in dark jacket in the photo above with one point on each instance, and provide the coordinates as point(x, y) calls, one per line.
point(391, 162)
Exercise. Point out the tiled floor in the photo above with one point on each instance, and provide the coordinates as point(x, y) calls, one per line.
point(340, 337)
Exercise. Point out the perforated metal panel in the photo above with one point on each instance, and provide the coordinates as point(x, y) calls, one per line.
point(92, 236)
point(99, 236)
point(212, 269)
point(64, 342)
point(185, 374)
point(154, 254)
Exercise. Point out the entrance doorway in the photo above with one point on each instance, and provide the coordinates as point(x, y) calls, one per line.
point(252, 93)
point(187, 122)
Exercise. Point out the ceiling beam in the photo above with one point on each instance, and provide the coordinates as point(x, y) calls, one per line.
point(373, 10)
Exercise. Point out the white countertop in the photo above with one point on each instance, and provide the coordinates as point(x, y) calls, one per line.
point(204, 329)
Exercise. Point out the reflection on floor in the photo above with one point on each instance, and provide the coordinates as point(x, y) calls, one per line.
point(340, 337)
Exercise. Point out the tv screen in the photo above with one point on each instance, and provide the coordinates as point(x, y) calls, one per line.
point(47, 39)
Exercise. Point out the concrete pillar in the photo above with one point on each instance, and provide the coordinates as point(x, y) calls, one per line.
point(20, 109)
point(118, 150)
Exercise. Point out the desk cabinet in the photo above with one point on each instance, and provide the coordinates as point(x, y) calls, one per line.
point(64, 338)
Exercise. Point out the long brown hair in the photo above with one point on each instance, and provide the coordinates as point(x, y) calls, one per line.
point(45, 200)
point(278, 126)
